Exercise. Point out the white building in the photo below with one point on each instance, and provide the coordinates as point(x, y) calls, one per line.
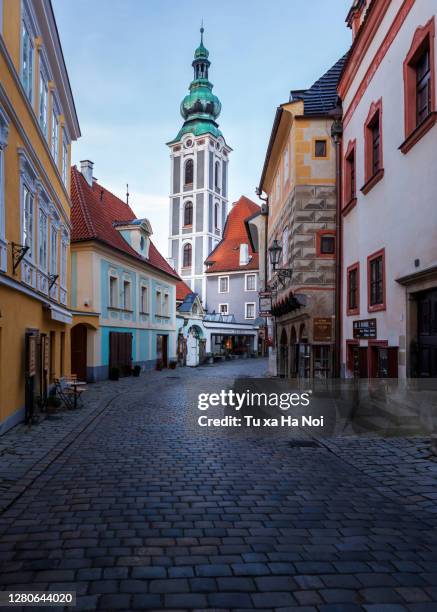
point(389, 276)
point(199, 179)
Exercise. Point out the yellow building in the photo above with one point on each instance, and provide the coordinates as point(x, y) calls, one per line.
point(38, 122)
point(299, 178)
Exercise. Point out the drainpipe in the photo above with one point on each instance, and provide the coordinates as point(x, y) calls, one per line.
point(265, 214)
point(336, 134)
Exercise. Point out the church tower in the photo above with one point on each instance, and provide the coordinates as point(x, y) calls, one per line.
point(199, 178)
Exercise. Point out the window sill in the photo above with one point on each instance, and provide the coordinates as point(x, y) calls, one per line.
point(115, 308)
point(376, 308)
point(349, 206)
point(368, 185)
point(350, 312)
point(161, 316)
point(187, 226)
point(143, 313)
point(418, 133)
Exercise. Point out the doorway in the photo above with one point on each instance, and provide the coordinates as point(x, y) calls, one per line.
point(427, 334)
point(162, 349)
point(79, 351)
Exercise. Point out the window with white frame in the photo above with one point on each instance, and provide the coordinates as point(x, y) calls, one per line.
point(223, 284)
point(250, 310)
point(53, 250)
point(55, 134)
point(286, 165)
point(64, 251)
point(127, 302)
point(113, 292)
point(224, 309)
point(144, 305)
point(250, 282)
point(64, 157)
point(26, 60)
point(43, 102)
point(159, 303)
point(27, 225)
point(42, 240)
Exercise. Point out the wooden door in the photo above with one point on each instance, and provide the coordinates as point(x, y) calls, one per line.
point(427, 334)
point(120, 351)
point(78, 351)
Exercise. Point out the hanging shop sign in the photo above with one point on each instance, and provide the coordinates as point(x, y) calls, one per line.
point(322, 329)
point(366, 328)
point(265, 303)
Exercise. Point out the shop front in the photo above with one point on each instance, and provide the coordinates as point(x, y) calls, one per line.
point(239, 339)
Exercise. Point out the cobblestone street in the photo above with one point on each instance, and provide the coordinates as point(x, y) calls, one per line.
point(132, 505)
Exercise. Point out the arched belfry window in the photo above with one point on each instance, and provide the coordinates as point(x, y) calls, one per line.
point(216, 215)
point(217, 176)
point(189, 172)
point(187, 255)
point(188, 213)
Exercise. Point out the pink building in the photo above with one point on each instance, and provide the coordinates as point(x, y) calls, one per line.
point(389, 199)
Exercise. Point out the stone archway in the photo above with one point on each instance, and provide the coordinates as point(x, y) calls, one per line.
point(82, 339)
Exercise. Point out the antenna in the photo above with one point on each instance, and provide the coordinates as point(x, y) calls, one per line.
point(127, 193)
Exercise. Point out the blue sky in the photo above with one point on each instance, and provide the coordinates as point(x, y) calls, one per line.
point(129, 64)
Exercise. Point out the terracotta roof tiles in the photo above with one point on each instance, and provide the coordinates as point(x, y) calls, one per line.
point(93, 214)
point(226, 255)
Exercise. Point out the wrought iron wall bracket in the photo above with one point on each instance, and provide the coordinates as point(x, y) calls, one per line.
point(18, 252)
point(53, 278)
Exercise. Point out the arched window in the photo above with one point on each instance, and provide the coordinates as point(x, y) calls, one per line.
point(217, 176)
point(216, 216)
point(188, 252)
point(188, 213)
point(189, 172)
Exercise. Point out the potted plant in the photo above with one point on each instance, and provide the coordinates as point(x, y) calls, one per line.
point(159, 364)
point(114, 373)
point(172, 365)
point(136, 370)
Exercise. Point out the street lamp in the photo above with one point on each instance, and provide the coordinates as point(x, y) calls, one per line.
point(275, 252)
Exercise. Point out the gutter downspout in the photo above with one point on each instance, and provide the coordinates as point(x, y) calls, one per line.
point(336, 134)
point(265, 213)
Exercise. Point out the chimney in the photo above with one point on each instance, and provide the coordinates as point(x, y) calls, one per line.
point(244, 254)
point(86, 168)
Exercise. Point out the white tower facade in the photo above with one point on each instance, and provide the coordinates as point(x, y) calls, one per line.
point(199, 179)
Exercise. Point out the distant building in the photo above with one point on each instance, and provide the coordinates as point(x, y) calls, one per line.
point(389, 277)
point(232, 285)
point(123, 290)
point(38, 123)
point(299, 177)
point(199, 179)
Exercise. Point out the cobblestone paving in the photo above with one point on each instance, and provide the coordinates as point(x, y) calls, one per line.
point(140, 510)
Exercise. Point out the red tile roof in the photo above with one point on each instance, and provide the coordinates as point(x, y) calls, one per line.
point(182, 290)
point(93, 214)
point(226, 255)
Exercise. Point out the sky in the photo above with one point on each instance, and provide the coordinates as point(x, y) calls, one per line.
point(129, 64)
